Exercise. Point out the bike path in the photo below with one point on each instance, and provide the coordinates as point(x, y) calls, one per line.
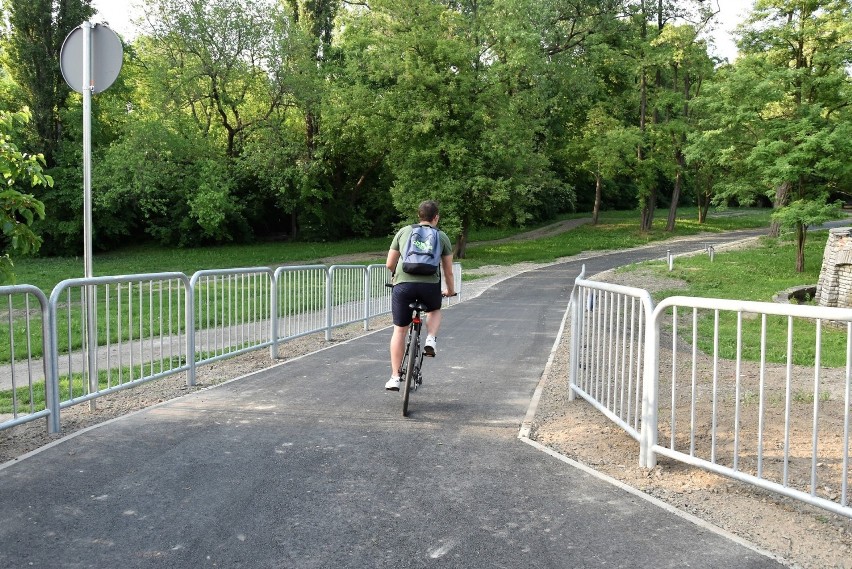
point(310, 464)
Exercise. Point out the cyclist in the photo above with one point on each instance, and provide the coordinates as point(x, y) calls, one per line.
point(409, 288)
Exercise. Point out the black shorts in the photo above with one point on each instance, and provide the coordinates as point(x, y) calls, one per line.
point(406, 293)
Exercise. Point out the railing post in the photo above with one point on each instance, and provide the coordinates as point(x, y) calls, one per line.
point(189, 309)
point(273, 316)
point(650, 373)
point(51, 356)
point(366, 298)
point(329, 297)
point(574, 356)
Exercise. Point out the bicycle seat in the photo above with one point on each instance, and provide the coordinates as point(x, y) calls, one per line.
point(417, 306)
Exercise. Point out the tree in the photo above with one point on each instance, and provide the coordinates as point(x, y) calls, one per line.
point(17, 209)
point(223, 62)
point(608, 147)
point(688, 66)
point(464, 116)
point(802, 214)
point(31, 54)
point(660, 57)
point(782, 119)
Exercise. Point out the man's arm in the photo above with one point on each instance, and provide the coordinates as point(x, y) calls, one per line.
point(393, 259)
point(449, 277)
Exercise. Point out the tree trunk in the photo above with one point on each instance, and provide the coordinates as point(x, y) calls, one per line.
point(782, 197)
point(648, 210)
point(801, 235)
point(460, 248)
point(670, 223)
point(703, 206)
point(598, 193)
point(678, 185)
point(294, 224)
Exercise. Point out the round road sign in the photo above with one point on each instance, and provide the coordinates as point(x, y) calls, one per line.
point(106, 54)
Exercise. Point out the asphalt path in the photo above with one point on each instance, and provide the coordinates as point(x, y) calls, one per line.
point(310, 464)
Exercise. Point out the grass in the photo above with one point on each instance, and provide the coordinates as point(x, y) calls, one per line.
point(756, 274)
point(615, 230)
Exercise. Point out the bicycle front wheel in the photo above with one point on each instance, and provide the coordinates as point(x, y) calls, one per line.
point(410, 369)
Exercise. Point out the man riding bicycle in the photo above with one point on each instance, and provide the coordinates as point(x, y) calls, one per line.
point(409, 287)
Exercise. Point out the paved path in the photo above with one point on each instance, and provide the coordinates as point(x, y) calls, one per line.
point(310, 464)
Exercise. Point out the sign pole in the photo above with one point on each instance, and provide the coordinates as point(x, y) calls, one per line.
point(91, 307)
point(90, 61)
point(87, 150)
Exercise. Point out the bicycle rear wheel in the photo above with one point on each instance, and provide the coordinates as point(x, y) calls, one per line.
point(410, 369)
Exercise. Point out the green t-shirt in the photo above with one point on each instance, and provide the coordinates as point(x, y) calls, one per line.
point(401, 276)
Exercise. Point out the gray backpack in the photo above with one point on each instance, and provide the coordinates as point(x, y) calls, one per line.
point(421, 254)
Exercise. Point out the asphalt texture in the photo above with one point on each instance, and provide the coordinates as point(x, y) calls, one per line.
point(310, 464)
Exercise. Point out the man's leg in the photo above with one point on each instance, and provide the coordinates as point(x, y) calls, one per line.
point(397, 348)
point(433, 323)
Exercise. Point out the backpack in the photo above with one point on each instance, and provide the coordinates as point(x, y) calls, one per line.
point(421, 254)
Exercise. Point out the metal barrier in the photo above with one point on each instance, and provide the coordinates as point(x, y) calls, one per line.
point(379, 295)
point(784, 428)
point(347, 296)
point(300, 302)
point(138, 333)
point(814, 397)
point(104, 334)
point(25, 395)
point(232, 313)
point(607, 350)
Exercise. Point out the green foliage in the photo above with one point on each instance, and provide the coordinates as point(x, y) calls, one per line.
point(807, 213)
point(31, 55)
point(262, 119)
point(18, 210)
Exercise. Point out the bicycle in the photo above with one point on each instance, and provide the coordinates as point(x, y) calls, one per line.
point(410, 370)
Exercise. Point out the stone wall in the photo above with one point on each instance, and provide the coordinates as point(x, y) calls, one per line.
point(834, 288)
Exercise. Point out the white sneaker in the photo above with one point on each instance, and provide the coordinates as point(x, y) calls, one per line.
point(429, 346)
point(393, 384)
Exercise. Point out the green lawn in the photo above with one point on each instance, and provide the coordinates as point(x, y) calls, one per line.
point(616, 230)
point(757, 274)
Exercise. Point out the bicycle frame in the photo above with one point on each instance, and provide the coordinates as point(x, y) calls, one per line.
point(412, 359)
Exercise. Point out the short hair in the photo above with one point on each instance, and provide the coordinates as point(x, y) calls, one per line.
point(427, 210)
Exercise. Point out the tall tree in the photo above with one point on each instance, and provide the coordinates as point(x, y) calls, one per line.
point(224, 61)
point(31, 54)
point(782, 114)
point(656, 155)
point(607, 150)
point(687, 67)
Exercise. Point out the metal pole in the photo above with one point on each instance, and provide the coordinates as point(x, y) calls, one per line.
point(88, 85)
point(91, 328)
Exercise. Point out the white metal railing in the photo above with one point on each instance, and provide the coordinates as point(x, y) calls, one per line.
point(739, 388)
point(24, 393)
point(138, 333)
point(232, 312)
point(607, 350)
point(95, 336)
point(300, 301)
